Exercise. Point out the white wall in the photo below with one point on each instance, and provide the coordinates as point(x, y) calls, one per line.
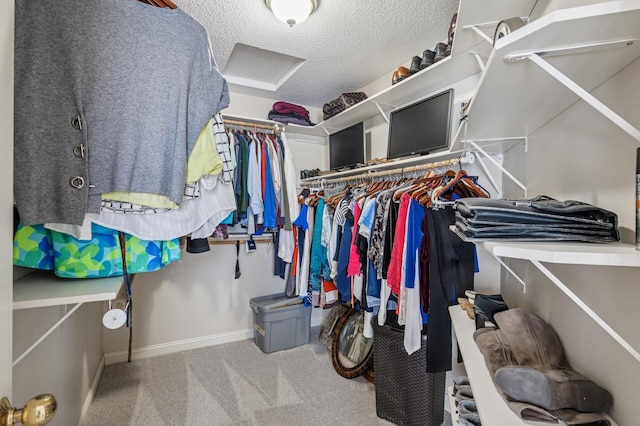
point(64, 364)
point(580, 155)
point(197, 302)
point(6, 193)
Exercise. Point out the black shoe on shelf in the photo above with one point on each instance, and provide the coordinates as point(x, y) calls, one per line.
point(441, 52)
point(415, 64)
point(427, 58)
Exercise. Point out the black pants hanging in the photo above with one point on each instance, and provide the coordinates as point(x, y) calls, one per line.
point(451, 269)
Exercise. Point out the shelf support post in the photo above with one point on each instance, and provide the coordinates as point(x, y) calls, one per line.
point(489, 176)
point(44, 336)
point(381, 111)
point(476, 30)
point(587, 309)
point(506, 172)
point(516, 276)
point(481, 64)
point(586, 96)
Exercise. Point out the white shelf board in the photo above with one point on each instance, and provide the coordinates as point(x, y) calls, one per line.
point(305, 130)
point(616, 254)
point(484, 14)
point(438, 77)
point(523, 97)
point(289, 128)
point(492, 408)
point(43, 288)
point(453, 410)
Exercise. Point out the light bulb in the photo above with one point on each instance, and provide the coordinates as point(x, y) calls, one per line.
point(292, 11)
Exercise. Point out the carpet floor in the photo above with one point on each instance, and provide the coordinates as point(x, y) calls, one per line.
point(234, 384)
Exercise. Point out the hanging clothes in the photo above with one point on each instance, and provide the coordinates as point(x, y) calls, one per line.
point(291, 207)
point(389, 247)
point(96, 257)
point(319, 266)
point(61, 55)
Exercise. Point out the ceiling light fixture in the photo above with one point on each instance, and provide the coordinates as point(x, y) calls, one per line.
point(292, 11)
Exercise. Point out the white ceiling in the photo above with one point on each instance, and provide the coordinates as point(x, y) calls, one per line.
point(344, 44)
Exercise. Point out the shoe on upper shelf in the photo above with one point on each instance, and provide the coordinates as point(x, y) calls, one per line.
point(441, 52)
point(400, 74)
point(415, 64)
point(427, 58)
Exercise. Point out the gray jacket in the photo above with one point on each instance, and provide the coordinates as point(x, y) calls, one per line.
point(109, 96)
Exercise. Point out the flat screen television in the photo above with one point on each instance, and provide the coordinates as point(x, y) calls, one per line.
point(421, 127)
point(346, 147)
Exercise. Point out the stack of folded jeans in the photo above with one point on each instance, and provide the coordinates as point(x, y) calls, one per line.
point(465, 403)
point(537, 219)
point(527, 363)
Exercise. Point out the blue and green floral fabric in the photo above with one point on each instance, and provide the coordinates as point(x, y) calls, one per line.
point(40, 248)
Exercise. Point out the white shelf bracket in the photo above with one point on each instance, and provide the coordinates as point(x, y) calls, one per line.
point(497, 164)
point(381, 112)
point(516, 276)
point(476, 29)
point(587, 309)
point(488, 175)
point(586, 96)
point(48, 332)
point(478, 59)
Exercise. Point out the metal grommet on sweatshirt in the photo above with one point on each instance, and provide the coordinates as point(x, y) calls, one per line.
point(77, 182)
point(507, 26)
point(76, 123)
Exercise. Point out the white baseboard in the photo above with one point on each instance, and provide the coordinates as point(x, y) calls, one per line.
point(185, 345)
point(177, 346)
point(92, 392)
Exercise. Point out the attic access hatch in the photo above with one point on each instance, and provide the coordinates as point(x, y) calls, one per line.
point(259, 68)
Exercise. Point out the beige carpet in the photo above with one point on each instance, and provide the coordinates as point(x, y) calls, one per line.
point(234, 384)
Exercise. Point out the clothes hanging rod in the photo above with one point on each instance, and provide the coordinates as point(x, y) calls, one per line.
point(274, 127)
point(400, 170)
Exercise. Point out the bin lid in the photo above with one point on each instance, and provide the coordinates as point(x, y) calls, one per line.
point(272, 301)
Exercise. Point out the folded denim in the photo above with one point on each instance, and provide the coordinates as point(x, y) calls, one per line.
point(479, 224)
point(467, 226)
point(469, 419)
point(467, 407)
point(539, 209)
point(463, 393)
point(540, 204)
point(460, 380)
point(537, 236)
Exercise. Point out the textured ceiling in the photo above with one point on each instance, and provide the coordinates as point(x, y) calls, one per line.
point(345, 44)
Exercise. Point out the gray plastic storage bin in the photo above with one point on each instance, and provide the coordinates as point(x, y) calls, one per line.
point(280, 322)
